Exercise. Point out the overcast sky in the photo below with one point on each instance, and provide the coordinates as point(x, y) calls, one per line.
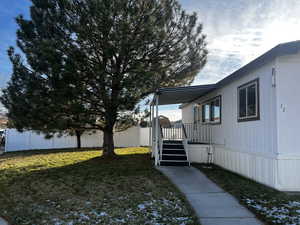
point(237, 32)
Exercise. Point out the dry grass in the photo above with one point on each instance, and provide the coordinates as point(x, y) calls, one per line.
point(80, 187)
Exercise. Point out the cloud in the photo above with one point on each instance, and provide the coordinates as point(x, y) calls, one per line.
point(238, 31)
point(172, 114)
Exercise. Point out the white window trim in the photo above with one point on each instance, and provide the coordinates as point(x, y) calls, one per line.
point(245, 86)
point(220, 102)
point(209, 114)
point(208, 102)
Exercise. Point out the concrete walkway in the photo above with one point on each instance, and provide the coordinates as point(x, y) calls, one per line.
point(212, 204)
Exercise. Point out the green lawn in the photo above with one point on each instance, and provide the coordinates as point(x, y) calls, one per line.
point(65, 187)
point(271, 206)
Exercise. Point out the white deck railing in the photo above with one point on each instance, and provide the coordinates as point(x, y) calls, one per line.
point(187, 133)
point(195, 132)
point(199, 133)
point(172, 133)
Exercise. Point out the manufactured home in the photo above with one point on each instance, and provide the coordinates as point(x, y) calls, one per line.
point(249, 122)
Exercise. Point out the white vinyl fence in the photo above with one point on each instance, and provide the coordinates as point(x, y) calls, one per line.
point(30, 140)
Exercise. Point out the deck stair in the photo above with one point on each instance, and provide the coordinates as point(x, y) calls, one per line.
point(173, 154)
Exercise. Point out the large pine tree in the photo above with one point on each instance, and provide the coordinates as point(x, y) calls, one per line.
point(97, 59)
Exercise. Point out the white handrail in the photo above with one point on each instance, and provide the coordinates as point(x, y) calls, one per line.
point(185, 144)
point(160, 144)
point(156, 131)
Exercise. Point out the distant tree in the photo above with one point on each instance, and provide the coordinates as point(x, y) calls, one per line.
point(106, 54)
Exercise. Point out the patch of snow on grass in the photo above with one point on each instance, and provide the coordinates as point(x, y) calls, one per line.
point(101, 214)
point(57, 221)
point(280, 214)
point(141, 206)
point(156, 214)
point(182, 218)
point(156, 209)
point(293, 204)
point(120, 220)
point(82, 216)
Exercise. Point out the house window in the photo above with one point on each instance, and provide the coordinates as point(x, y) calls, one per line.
point(211, 111)
point(248, 101)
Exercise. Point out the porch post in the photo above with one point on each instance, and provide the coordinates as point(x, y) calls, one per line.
point(156, 131)
point(150, 131)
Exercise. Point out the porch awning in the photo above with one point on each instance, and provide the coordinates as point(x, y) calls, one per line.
point(180, 95)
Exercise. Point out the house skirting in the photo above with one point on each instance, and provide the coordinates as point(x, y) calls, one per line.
point(198, 153)
point(288, 174)
point(279, 173)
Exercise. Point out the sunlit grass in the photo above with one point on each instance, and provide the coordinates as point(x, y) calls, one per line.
point(130, 151)
point(37, 160)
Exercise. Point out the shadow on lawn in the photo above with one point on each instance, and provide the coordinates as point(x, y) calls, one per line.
point(121, 165)
point(73, 178)
point(96, 167)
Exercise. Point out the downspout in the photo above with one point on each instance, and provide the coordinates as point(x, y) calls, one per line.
point(274, 126)
point(156, 132)
point(210, 150)
point(150, 131)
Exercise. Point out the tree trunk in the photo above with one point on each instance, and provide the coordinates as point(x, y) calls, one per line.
point(108, 143)
point(78, 138)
